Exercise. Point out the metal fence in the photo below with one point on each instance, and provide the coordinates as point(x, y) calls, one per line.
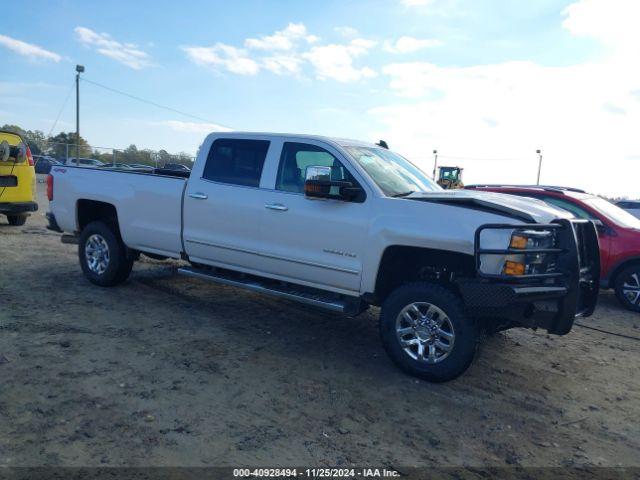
point(132, 156)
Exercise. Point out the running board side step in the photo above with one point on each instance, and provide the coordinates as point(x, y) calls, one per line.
point(313, 297)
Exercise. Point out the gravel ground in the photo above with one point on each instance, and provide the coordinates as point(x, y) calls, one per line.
point(166, 370)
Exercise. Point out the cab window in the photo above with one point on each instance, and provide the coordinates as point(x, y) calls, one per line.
point(295, 159)
point(236, 162)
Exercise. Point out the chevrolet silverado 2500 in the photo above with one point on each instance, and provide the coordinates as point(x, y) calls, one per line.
point(343, 225)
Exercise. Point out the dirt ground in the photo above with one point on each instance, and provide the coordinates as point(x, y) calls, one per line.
point(166, 370)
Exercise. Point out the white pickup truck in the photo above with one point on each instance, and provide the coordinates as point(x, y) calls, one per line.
point(343, 225)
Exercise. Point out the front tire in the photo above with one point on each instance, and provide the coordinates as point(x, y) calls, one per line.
point(103, 256)
point(17, 220)
point(627, 288)
point(426, 332)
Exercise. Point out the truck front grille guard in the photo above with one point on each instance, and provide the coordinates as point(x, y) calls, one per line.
point(577, 261)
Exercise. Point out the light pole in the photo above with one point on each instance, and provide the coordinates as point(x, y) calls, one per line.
point(435, 163)
point(79, 70)
point(539, 152)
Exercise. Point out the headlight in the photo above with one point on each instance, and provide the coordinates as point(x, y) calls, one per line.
point(516, 252)
point(529, 263)
point(523, 239)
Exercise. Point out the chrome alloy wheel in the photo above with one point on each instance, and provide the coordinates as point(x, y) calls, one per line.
point(96, 252)
point(425, 332)
point(631, 288)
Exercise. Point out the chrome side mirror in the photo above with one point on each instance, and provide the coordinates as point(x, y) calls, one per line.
point(318, 184)
point(318, 173)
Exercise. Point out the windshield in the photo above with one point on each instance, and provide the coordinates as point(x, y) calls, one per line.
point(613, 212)
point(449, 173)
point(394, 174)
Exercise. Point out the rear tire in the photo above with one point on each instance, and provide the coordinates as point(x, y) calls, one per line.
point(627, 288)
point(103, 256)
point(17, 220)
point(426, 332)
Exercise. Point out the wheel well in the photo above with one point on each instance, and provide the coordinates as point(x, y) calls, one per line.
point(92, 210)
point(402, 264)
point(619, 268)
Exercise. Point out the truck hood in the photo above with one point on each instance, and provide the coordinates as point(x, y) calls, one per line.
point(526, 209)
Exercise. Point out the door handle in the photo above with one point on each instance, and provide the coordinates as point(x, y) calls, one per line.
point(276, 206)
point(199, 195)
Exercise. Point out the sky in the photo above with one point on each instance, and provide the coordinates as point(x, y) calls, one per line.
point(486, 83)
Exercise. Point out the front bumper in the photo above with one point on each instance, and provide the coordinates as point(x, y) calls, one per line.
point(551, 301)
point(14, 208)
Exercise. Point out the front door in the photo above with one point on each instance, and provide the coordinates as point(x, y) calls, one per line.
point(316, 242)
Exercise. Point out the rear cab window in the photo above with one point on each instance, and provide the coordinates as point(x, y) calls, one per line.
point(236, 161)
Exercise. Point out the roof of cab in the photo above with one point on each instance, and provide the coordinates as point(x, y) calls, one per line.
point(343, 142)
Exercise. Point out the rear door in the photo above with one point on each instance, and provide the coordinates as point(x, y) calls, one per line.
point(224, 205)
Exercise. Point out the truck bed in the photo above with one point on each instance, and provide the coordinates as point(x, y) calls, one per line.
point(148, 204)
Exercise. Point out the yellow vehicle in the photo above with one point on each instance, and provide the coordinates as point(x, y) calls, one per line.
point(450, 177)
point(17, 179)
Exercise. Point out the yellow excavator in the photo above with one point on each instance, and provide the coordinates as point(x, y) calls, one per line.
point(450, 177)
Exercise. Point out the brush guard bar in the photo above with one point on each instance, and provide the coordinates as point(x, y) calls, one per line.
point(549, 300)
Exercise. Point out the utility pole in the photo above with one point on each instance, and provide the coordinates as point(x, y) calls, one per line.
point(435, 163)
point(79, 70)
point(539, 152)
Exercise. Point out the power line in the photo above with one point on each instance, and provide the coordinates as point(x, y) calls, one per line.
point(149, 102)
point(453, 157)
point(64, 104)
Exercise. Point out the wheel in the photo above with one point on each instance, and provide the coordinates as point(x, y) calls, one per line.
point(627, 288)
point(17, 220)
point(103, 256)
point(425, 331)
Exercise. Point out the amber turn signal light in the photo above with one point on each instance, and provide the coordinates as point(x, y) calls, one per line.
point(513, 268)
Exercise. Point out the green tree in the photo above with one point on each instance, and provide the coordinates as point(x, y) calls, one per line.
point(58, 145)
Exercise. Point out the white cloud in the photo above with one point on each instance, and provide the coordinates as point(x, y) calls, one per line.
point(283, 40)
point(28, 50)
point(281, 54)
point(283, 64)
point(220, 55)
point(584, 116)
point(126, 53)
point(193, 127)
point(610, 20)
point(336, 61)
point(407, 44)
point(613, 22)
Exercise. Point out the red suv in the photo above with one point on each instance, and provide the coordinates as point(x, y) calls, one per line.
point(618, 233)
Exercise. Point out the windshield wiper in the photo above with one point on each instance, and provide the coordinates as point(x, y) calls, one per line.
point(402, 194)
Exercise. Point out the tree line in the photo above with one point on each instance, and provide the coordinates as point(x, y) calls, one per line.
point(64, 144)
